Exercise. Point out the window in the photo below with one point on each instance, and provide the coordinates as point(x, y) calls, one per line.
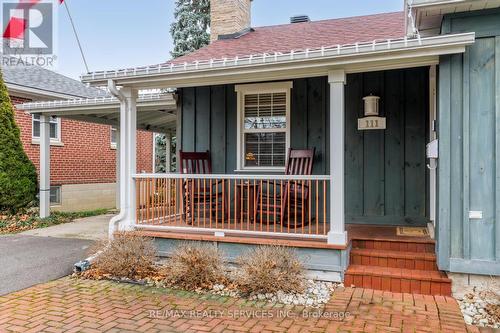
point(264, 125)
point(55, 195)
point(114, 138)
point(55, 128)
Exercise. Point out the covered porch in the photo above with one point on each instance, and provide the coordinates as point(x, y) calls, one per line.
point(239, 204)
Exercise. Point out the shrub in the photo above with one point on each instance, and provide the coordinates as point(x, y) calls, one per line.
point(195, 265)
point(128, 255)
point(18, 178)
point(269, 269)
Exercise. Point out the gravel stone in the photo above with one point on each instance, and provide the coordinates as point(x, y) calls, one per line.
point(316, 294)
point(481, 308)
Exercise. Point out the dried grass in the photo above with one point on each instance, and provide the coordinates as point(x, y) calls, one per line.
point(128, 255)
point(194, 266)
point(492, 296)
point(269, 269)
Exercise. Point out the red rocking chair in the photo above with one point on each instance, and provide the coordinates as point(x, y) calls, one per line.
point(201, 195)
point(291, 202)
point(295, 196)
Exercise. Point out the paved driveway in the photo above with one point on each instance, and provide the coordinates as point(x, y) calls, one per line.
point(92, 228)
point(28, 260)
point(76, 305)
point(41, 255)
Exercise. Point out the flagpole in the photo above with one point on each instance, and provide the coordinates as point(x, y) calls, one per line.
point(76, 35)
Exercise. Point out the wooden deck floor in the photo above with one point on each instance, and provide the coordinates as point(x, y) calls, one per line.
point(369, 232)
point(378, 232)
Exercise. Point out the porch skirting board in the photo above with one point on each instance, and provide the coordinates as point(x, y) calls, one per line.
point(323, 264)
point(482, 267)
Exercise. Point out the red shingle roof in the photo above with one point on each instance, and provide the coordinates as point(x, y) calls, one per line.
point(297, 36)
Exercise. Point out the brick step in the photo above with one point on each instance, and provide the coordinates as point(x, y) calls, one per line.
point(395, 259)
point(399, 280)
point(419, 246)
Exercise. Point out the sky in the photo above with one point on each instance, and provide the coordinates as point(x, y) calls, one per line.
point(129, 33)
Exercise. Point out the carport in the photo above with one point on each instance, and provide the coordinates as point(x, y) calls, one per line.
point(156, 112)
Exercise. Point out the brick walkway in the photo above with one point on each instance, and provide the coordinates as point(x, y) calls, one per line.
point(69, 305)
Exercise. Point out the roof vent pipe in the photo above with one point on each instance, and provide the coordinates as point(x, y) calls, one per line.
point(300, 19)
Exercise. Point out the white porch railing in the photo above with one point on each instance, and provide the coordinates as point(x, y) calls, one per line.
point(275, 206)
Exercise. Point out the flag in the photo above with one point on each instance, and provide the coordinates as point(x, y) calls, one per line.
point(17, 26)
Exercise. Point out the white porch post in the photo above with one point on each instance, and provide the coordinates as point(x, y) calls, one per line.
point(118, 167)
point(337, 234)
point(128, 127)
point(44, 166)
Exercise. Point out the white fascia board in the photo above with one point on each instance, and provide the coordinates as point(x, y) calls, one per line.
point(97, 109)
point(429, 13)
point(428, 3)
point(308, 63)
point(94, 106)
point(419, 4)
point(34, 93)
point(293, 70)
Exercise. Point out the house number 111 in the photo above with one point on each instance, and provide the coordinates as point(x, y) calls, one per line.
point(371, 123)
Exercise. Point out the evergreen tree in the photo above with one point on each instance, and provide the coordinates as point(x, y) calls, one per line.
point(191, 29)
point(161, 154)
point(18, 178)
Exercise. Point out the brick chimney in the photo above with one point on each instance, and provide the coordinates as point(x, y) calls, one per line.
point(229, 17)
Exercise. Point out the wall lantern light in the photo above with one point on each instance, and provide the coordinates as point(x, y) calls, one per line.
point(371, 120)
point(371, 105)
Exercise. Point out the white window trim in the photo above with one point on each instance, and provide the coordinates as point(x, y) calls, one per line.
point(53, 141)
point(57, 204)
point(113, 145)
point(260, 88)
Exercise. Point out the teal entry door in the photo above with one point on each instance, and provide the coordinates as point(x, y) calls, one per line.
point(386, 174)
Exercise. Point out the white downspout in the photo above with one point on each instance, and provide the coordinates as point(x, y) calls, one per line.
point(113, 223)
point(115, 220)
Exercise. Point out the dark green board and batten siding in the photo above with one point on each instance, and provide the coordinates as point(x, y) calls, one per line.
point(385, 170)
point(209, 122)
point(469, 161)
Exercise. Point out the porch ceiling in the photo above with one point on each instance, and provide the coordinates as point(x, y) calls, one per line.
point(155, 112)
point(358, 57)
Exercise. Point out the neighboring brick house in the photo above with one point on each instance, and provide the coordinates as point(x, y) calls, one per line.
point(83, 156)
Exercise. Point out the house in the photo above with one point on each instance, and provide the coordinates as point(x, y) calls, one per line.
point(402, 110)
point(83, 154)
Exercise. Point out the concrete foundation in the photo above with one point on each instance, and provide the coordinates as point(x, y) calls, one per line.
point(83, 197)
point(465, 283)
